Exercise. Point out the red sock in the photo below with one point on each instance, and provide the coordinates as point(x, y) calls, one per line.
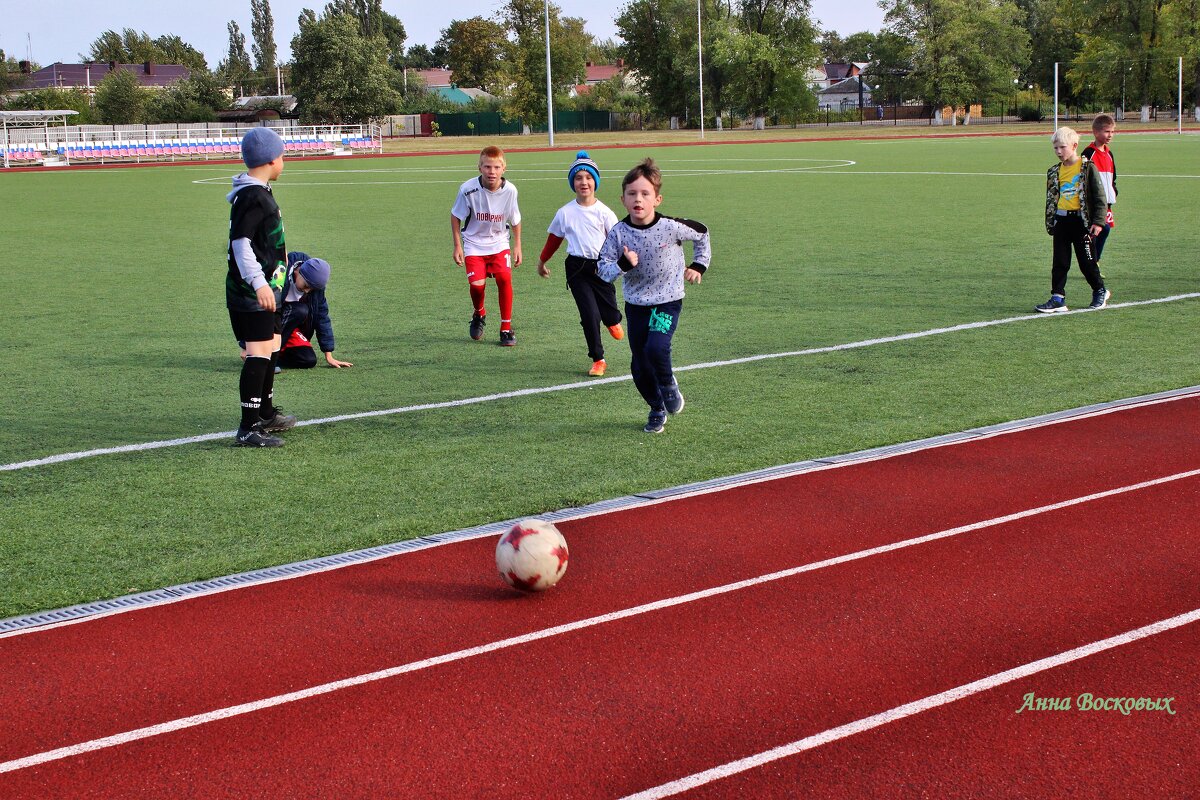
point(504, 286)
point(477, 293)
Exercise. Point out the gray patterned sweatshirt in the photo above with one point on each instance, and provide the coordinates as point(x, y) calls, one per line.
point(658, 276)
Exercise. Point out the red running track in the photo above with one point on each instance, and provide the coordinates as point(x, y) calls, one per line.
point(630, 704)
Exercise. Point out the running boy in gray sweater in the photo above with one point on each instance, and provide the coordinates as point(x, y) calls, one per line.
point(647, 249)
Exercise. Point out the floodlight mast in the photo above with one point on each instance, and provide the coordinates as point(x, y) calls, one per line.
point(549, 92)
point(700, 50)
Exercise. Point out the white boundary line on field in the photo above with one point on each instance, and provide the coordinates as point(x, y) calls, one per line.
point(196, 720)
point(87, 612)
point(916, 707)
point(467, 401)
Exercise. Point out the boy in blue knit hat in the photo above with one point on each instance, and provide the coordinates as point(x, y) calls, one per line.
point(257, 270)
point(584, 223)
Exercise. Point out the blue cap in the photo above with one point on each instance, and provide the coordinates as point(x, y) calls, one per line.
point(261, 145)
point(583, 162)
point(315, 272)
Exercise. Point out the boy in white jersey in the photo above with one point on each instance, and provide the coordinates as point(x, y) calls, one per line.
point(584, 223)
point(479, 220)
point(646, 249)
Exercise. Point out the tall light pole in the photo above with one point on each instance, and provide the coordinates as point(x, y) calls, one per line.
point(549, 92)
point(700, 50)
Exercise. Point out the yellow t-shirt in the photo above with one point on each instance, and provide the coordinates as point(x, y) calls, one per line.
point(1070, 184)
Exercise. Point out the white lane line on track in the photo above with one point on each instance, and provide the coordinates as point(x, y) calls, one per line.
point(210, 437)
point(910, 709)
point(196, 720)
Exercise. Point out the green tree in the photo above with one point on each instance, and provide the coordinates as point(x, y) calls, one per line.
point(1123, 51)
point(526, 66)
point(127, 47)
point(421, 56)
point(120, 99)
point(475, 50)
point(341, 76)
point(962, 50)
point(769, 54)
point(235, 70)
point(890, 67)
point(1183, 36)
point(174, 50)
point(54, 99)
point(396, 36)
point(196, 98)
point(262, 29)
point(859, 47)
point(657, 36)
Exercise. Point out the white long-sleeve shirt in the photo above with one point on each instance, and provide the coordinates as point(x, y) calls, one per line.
point(658, 276)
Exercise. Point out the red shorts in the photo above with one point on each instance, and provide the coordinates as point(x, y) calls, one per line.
point(482, 267)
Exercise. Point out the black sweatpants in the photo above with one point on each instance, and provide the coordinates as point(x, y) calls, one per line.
point(596, 299)
point(1069, 233)
point(651, 329)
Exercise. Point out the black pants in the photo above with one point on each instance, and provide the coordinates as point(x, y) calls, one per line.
point(651, 329)
point(596, 299)
point(1069, 233)
point(297, 358)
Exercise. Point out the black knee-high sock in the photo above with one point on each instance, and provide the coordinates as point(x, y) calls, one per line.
point(254, 369)
point(267, 411)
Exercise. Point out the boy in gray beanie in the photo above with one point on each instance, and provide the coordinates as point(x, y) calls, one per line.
point(257, 269)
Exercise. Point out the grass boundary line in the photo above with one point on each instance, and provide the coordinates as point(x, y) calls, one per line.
point(61, 458)
point(86, 612)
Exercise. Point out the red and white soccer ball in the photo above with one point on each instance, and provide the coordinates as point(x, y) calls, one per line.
point(532, 555)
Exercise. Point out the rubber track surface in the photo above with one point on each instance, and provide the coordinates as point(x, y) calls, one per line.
point(631, 704)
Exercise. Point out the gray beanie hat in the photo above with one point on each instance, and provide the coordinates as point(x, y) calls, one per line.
point(261, 145)
point(583, 162)
point(315, 272)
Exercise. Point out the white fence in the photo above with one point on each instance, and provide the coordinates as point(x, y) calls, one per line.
point(103, 144)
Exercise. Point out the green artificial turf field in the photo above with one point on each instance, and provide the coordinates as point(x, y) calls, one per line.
point(113, 289)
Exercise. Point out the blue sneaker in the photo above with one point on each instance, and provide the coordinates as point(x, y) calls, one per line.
point(1100, 298)
point(656, 421)
point(1054, 305)
point(673, 400)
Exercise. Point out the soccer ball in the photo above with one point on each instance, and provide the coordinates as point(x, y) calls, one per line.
point(532, 555)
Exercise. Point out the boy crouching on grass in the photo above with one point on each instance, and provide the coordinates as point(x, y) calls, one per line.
point(646, 248)
point(1075, 208)
point(257, 269)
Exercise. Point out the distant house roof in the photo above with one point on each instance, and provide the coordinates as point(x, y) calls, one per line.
point(453, 94)
point(836, 71)
point(287, 102)
point(847, 86)
point(598, 73)
point(477, 94)
point(432, 78)
point(84, 76)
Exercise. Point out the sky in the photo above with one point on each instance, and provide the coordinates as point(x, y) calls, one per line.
point(63, 30)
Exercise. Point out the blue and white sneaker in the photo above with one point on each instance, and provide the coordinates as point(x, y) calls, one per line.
point(1054, 305)
point(1100, 298)
point(656, 421)
point(673, 400)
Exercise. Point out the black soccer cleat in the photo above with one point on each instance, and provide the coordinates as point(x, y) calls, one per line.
point(655, 422)
point(477, 322)
point(508, 339)
point(278, 421)
point(673, 400)
point(255, 436)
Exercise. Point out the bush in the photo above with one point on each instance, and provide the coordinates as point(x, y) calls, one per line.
point(1029, 113)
